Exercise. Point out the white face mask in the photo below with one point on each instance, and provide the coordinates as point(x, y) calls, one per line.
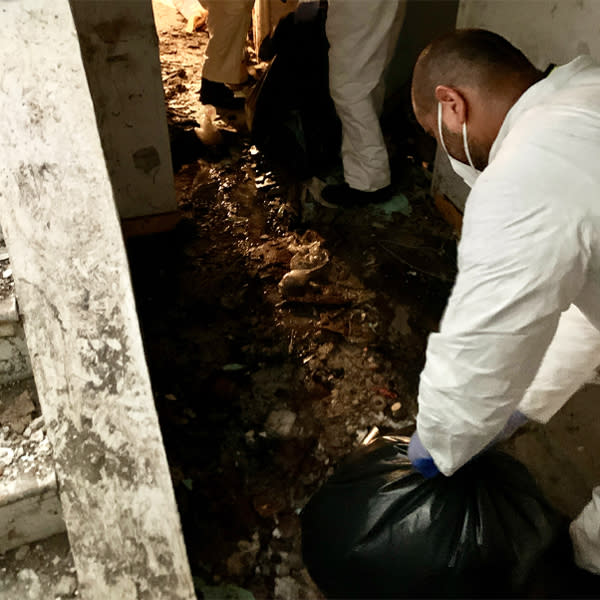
point(468, 173)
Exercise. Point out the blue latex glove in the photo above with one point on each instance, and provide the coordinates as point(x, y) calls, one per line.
point(516, 420)
point(422, 461)
point(420, 458)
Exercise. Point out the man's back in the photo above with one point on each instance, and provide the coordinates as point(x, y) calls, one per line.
point(530, 248)
point(545, 175)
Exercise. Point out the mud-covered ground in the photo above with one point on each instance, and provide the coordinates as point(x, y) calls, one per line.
point(264, 379)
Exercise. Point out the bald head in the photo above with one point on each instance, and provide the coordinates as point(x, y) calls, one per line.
point(469, 58)
point(475, 76)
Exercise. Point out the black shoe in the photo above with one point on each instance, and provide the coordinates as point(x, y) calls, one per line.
point(219, 95)
point(343, 195)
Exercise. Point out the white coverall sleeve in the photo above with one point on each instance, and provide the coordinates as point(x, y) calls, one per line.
point(520, 266)
point(570, 362)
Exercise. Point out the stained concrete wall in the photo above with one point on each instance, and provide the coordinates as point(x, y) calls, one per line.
point(119, 47)
point(424, 20)
point(547, 31)
point(73, 284)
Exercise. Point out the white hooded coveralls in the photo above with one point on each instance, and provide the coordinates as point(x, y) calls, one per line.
point(362, 36)
point(528, 286)
point(228, 24)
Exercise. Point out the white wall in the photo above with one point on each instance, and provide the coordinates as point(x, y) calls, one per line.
point(545, 30)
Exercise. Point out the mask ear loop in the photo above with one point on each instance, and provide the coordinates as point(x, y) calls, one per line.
point(466, 144)
point(440, 128)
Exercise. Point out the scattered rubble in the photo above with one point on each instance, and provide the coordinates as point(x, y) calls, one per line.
point(41, 571)
point(280, 423)
point(24, 447)
point(17, 412)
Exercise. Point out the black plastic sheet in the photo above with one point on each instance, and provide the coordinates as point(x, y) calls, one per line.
point(378, 529)
point(291, 115)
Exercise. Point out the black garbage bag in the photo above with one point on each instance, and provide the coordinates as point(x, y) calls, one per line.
point(378, 529)
point(290, 112)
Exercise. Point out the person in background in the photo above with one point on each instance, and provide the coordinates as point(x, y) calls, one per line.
point(520, 333)
point(228, 24)
point(362, 37)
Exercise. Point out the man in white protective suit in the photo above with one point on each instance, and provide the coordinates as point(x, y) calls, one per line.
point(362, 38)
point(520, 333)
point(228, 24)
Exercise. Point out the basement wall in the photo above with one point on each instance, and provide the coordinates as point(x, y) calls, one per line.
point(119, 47)
point(547, 31)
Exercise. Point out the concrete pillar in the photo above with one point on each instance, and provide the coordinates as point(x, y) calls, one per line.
point(72, 281)
point(119, 47)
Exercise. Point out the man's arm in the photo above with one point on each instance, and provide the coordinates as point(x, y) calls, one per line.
point(518, 270)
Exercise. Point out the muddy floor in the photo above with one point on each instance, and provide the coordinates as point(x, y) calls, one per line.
point(278, 331)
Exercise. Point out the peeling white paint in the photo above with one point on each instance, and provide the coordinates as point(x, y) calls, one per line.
point(72, 280)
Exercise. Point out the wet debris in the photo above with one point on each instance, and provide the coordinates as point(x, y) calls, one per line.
point(287, 328)
point(243, 562)
point(307, 263)
point(17, 413)
point(280, 423)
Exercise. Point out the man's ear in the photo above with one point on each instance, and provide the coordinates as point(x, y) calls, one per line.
point(454, 107)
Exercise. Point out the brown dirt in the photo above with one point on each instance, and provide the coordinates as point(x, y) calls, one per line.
point(260, 392)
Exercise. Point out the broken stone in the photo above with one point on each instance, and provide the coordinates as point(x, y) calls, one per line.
point(22, 552)
point(37, 436)
point(8, 330)
point(32, 581)
point(36, 424)
point(66, 586)
point(7, 455)
point(242, 562)
point(280, 423)
point(286, 588)
point(324, 350)
point(18, 413)
point(44, 447)
point(289, 526)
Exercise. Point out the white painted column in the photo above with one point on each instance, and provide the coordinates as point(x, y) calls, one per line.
point(72, 281)
point(119, 46)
